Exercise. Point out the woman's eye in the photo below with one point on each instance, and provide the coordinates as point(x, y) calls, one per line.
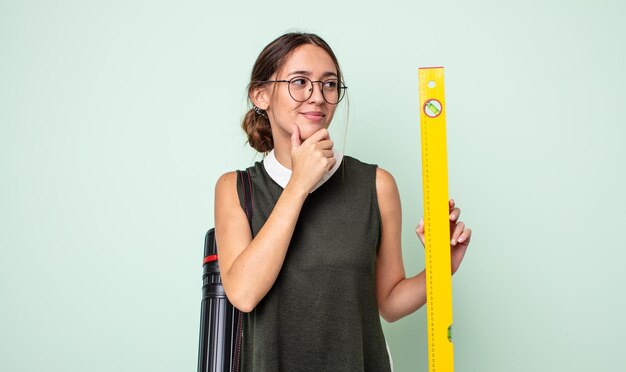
point(298, 82)
point(330, 84)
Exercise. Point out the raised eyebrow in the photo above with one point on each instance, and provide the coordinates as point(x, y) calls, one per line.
point(301, 72)
point(308, 74)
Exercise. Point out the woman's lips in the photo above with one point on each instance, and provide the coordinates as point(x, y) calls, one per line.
point(314, 115)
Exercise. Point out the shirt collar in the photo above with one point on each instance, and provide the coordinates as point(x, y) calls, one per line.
point(281, 175)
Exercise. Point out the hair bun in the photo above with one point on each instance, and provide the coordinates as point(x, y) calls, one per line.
point(259, 132)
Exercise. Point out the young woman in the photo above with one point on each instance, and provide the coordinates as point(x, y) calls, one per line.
point(323, 261)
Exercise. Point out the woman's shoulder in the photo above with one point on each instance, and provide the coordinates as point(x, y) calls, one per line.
point(356, 163)
point(232, 175)
point(225, 182)
point(383, 180)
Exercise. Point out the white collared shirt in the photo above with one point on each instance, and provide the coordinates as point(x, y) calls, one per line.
point(281, 174)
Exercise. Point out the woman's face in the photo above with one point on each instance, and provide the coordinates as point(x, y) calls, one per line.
point(314, 113)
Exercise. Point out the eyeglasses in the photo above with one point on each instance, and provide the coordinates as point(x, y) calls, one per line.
point(301, 89)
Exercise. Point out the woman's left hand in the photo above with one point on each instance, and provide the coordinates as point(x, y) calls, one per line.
point(460, 236)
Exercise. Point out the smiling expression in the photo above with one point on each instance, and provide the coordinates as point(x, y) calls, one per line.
point(283, 111)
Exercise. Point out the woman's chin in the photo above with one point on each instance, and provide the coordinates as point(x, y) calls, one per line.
point(308, 129)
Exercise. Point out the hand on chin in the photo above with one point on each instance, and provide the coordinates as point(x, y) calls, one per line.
point(307, 129)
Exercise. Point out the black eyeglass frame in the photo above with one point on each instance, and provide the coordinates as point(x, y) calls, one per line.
point(341, 88)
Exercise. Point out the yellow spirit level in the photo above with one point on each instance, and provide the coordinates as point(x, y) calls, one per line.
point(436, 219)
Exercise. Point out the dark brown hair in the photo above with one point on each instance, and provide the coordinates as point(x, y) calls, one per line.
point(256, 123)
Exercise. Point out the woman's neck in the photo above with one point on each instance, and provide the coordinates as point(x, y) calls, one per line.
point(282, 152)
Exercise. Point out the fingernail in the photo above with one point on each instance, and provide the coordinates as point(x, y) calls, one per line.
point(452, 242)
point(461, 239)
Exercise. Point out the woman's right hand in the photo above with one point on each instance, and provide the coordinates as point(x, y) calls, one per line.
point(311, 159)
point(249, 267)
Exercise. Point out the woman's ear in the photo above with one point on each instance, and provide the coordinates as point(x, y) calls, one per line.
point(260, 98)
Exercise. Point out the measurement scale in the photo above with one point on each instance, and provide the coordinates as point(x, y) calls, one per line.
point(436, 219)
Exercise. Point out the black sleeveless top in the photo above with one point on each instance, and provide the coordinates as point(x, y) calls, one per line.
point(321, 314)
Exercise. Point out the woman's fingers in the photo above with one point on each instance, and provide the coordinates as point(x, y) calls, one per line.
point(325, 144)
point(465, 236)
point(420, 231)
point(331, 163)
point(311, 159)
point(454, 214)
point(295, 137)
point(458, 230)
